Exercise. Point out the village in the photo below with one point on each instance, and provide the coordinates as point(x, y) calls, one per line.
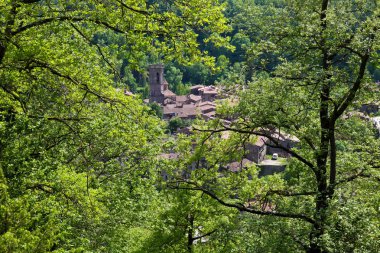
point(201, 102)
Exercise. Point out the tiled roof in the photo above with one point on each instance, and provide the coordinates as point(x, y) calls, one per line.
point(207, 108)
point(181, 98)
point(185, 111)
point(281, 136)
point(168, 93)
point(206, 103)
point(209, 90)
point(260, 141)
point(196, 87)
point(195, 98)
point(210, 114)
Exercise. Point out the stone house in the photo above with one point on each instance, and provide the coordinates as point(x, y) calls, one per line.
point(284, 140)
point(257, 151)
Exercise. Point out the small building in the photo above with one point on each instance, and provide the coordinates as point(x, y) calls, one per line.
point(194, 98)
point(186, 111)
point(195, 89)
point(284, 140)
point(257, 151)
point(208, 93)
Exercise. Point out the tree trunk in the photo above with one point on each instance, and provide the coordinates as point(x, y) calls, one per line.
point(321, 201)
point(190, 239)
point(2, 51)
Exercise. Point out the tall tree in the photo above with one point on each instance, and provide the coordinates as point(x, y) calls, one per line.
point(309, 60)
point(67, 137)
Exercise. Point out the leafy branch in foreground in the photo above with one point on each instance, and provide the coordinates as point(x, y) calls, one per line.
point(309, 61)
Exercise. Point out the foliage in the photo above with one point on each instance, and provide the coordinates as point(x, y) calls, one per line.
point(80, 163)
point(74, 152)
point(177, 123)
point(308, 61)
point(156, 109)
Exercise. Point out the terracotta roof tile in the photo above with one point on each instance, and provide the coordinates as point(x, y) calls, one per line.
point(196, 87)
point(181, 98)
point(168, 93)
point(195, 98)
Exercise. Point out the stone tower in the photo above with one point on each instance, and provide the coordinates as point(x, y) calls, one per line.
point(156, 80)
point(159, 90)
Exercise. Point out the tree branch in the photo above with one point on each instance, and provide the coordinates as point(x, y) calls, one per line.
point(361, 174)
point(30, 1)
point(145, 13)
point(50, 190)
point(201, 236)
point(349, 97)
point(264, 134)
point(243, 208)
point(41, 64)
point(116, 73)
point(64, 18)
point(290, 194)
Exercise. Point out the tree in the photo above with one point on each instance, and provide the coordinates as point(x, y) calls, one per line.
point(177, 123)
point(309, 60)
point(67, 137)
point(156, 109)
point(187, 221)
point(174, 77)
point(197, 73)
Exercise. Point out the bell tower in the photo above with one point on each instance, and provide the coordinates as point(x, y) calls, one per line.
point(156, 80)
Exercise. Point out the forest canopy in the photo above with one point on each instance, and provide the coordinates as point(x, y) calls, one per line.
point(70, 143)
point(86, 168)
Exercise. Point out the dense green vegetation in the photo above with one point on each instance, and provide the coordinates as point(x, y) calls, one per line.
point(81, 164)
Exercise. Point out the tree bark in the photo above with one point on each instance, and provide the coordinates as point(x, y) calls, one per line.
point(2, 51)
point(190, 219)
point(321, 201)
